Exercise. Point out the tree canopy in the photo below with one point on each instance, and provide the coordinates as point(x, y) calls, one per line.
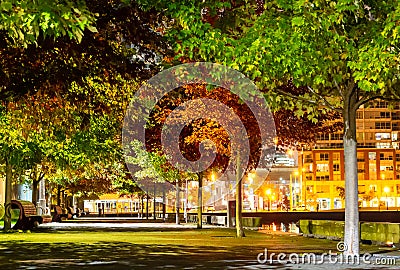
point(68, 71)
point(339, 54)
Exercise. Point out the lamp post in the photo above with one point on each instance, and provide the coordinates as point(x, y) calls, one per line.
point(251, 198)
point(268, 193)
point(291, 193)
point(296, 174)
point(273, 198)
point(386, 190)
point(186, 201)
point(214, 189)
point(303, 189)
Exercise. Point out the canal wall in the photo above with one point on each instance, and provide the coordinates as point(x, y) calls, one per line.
point(370, 232)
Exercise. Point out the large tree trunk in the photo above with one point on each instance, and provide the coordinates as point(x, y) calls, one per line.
point(154, 203)
point(58, 195)
point(42, 196)
point(38, 191)
point(239, 225)
point(352, 234)
point(147, 205)
point(200, 201)
point(36, 178)
point(177, 203)
point(7, 203)
point(164, 204)
point(142, 205)
point(35, 193)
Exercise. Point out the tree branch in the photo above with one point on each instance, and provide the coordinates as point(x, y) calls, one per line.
point(338, 88)
point(326, 102)
point(350, 88)
point(366, 99)
point(41, 176)
point(312, 102)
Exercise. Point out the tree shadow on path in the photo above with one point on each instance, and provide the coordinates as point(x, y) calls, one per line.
point(23, 255)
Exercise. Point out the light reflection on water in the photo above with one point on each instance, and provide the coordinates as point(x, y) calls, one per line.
point(281, 227)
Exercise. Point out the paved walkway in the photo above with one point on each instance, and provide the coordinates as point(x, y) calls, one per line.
point(106, 254)
point(118, 225)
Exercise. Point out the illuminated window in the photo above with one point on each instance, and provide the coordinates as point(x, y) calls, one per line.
point(372, 155)
point(324, 156)
point(336, 156)
point(336, 167)
point(322, 168)
point(382, 125)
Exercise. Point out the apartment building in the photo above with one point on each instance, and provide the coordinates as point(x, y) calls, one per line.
point(321, 168)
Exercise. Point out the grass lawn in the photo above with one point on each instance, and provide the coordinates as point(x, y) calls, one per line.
point(205, 238)
point(147, 248)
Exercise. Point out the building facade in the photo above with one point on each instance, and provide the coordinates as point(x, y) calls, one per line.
point(321, 168)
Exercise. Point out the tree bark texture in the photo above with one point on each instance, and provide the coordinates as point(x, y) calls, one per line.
point(200, 201)
point(239, 178)
point(352, 232)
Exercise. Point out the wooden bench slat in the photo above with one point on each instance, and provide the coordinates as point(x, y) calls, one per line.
point(28, 217)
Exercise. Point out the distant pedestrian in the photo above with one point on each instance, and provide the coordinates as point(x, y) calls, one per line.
point(317, 207)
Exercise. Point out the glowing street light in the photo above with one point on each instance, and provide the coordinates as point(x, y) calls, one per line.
point(273, 198)
point(250, 176)
point(213, 189)
point(294, 192)
point(386, 190)
point(268, 193)
point(276, 140)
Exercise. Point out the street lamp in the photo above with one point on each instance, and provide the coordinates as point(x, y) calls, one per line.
point(268, 193)
point(386, 190)
point(213, 189)
point(276, 140)
point(296, 185)
point(212, 177)
point(291, 193)
point(186, 201)
point(251, 197)
point(303, 188)
point(273, 198)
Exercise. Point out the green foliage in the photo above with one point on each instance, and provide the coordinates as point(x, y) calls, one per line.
point(12, 144)
point(72, 140)
point(154, 165)
point(26, 21)
point(324, 45)
point(69, 71)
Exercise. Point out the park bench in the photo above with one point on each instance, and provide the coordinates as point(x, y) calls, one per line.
point(59, 214)
point(74, 214)
point(70, 212)
point(27, 219)
point(81, 212)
